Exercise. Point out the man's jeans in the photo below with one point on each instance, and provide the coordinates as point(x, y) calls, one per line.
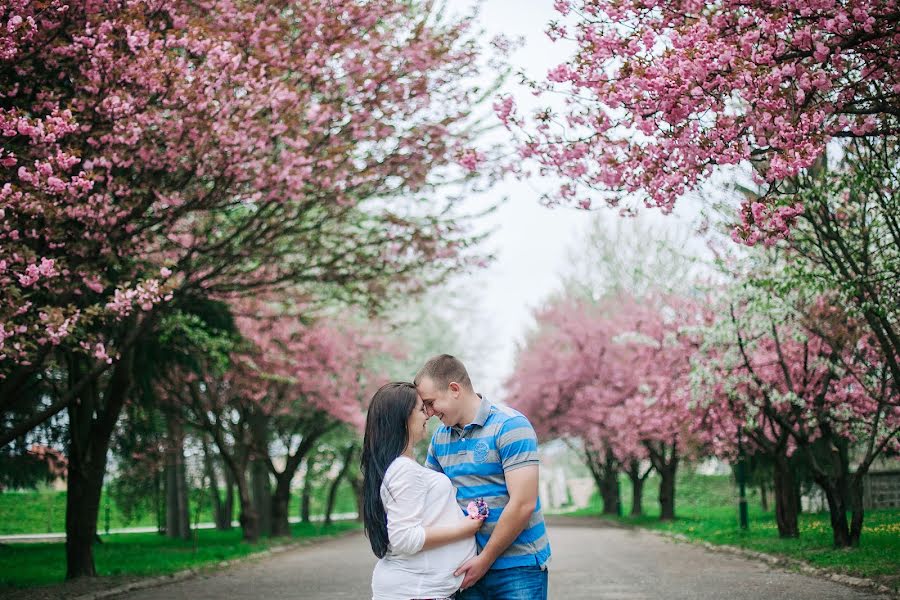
point(517, 583)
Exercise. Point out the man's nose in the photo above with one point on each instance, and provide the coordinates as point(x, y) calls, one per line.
point(429, 410)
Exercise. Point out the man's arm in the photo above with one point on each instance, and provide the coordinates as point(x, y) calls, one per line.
point(522, 484)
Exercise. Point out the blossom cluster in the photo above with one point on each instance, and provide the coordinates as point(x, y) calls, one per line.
point(658, 93)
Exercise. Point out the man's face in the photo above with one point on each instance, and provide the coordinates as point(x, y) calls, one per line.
point(442, 403)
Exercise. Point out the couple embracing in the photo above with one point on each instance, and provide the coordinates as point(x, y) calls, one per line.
point(467, 524)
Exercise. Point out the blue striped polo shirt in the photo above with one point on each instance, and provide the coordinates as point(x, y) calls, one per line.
point(476, 458)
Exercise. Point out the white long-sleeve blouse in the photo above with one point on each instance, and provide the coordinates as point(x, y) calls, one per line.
point(414, 498)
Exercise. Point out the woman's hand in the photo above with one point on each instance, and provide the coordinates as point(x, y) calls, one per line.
point(471, 525)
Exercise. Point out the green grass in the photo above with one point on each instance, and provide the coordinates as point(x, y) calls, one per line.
point(45, 511)
point(141, 554)
point(706, 509)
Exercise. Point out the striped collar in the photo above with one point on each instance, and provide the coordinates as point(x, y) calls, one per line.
point(481, 417)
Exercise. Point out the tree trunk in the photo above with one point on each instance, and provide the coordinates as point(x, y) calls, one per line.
point(178, 519)
point(212, 478)
point(249, 518)
point(332, 490)
point(357, 485)
point(262, 495)
point(664, 457)
point(837, 509)
point(605, 472)
point(667, 490)
point(282, 497)
point(637, 487)
point(857, 512)
point(610, 489)
point(306, 494)
point(763, 497)
point(236, 467)
point(228, 509)
point(786, 509)
point(91, 424)
point(259, 470)
point(158, 505)
point(85, 482)
point(280, 501)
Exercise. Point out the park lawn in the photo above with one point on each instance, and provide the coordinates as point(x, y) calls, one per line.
point(45, 511)
point(706, 507)
point(144, 554)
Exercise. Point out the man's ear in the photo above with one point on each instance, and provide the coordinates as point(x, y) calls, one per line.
point(454, 387)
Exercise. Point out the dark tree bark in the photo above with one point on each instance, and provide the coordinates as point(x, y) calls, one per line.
point(228, 507)
point(222, 522)
point(259, 471)
point(311, 429)
point(357, 485)
point(92, 419)
point(637, 486)
point(786, 505)
point(235, 460)
point(604, 469)
point(665, 460)
point(178, 520)
point(261, 494)
point(333, 488)
point(763, 496)
point(306, 494)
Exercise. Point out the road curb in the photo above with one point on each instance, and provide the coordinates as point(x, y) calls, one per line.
point(783, 562)
point(194, 571)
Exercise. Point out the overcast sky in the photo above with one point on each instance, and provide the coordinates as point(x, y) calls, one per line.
point(531, 242)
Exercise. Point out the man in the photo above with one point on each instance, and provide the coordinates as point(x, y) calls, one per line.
point(489, 451)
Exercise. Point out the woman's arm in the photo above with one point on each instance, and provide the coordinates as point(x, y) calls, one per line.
point(439, 535)
point(404, 505)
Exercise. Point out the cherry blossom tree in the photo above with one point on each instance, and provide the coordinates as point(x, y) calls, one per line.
point(657, 95)
point(787, 390)
point(296, 379)
point(616, 375)
point(225, 160)
point(154, 153)
point(847, 246)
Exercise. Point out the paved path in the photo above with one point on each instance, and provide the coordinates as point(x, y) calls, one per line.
point(596, 563)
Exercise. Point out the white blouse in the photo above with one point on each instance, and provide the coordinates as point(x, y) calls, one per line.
point(414, 498)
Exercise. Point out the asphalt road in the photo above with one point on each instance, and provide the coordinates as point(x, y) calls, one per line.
point(596, 563)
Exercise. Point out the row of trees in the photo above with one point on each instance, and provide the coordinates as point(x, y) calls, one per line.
point(761, 366)
point(792, 355)
point(193, 195)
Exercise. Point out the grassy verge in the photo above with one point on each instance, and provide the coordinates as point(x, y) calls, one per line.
point(706, 507)
point(45, 511)
point(142, 554)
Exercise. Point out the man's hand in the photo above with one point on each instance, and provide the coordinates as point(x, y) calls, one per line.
point(474, 569)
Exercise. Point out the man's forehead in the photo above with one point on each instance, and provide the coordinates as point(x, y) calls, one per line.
point(425, 387)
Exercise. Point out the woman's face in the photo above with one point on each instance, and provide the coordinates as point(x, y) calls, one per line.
point(417, 422)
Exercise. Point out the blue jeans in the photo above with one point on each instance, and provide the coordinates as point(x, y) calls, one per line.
point(517, 583)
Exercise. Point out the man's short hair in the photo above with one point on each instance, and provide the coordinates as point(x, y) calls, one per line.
point(444, 369)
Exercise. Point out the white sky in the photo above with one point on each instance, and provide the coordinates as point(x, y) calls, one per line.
point(530, 241)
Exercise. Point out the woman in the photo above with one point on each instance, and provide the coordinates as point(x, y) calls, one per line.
point(410, 513)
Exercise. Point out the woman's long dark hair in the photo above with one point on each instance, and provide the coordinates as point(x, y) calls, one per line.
point(387, 434)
